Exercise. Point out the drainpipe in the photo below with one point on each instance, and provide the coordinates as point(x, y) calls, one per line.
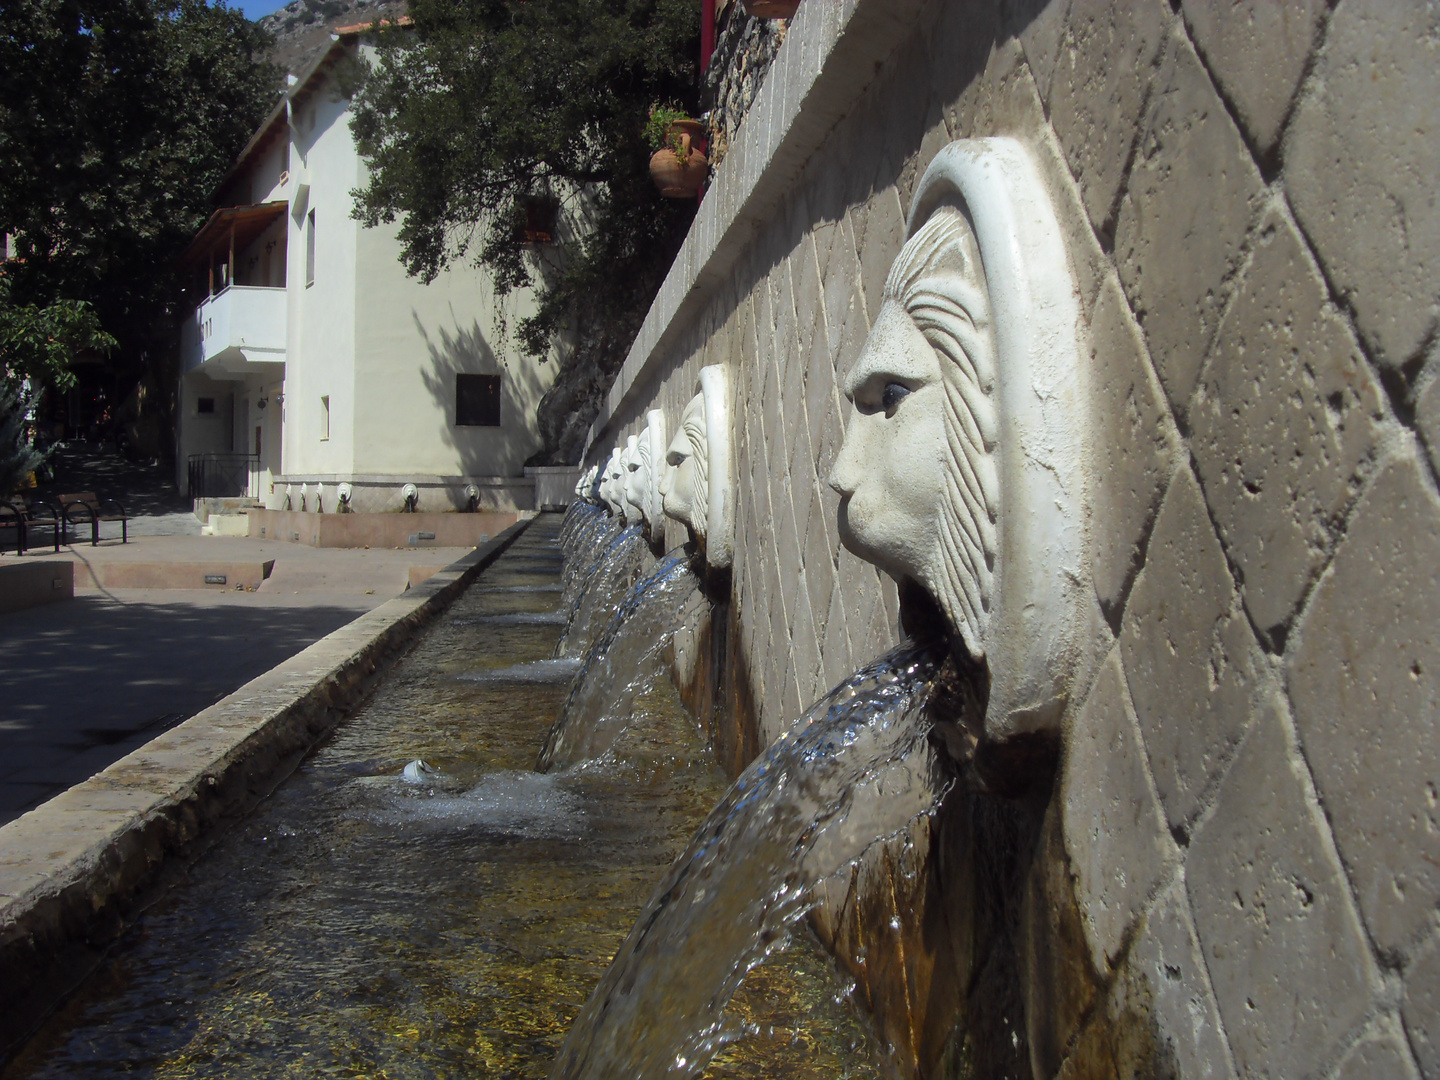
point(707, 34)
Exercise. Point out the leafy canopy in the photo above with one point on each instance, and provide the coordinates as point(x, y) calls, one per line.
point(486, 104)
point(38, 343)
point(118, 118)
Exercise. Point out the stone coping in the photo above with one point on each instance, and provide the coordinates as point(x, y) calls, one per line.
point(831, 54)
point(75, 871)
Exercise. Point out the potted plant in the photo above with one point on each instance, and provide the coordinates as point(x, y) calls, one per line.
point(677, 166)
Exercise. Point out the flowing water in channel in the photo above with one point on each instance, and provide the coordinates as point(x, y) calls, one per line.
point(624, 659)
point(361, 924)
point(857, 767)
point(604, 564)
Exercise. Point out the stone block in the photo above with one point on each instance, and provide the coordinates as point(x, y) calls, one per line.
point(1361, 159)
point(1107, 56)
point(1190, 659)
point(822, 409)
point(804, 643)
point(1039, 25)
point(1381, 1052)
point(837, 659)
point(881, 242)
point(1287, 421)
point(1364, 677)
point(839, 273)
point(1192, 194)
point(1420, 1009)
point(819, 560)
point(1427, 412)
point(1166, 971)
point(809, 307)
point(1286, 955)
point(1115, 835)
point(1256, 50)
point(1134, 442)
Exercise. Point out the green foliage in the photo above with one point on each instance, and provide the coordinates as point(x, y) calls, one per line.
point(18, 456)
point(658, 133)
point(118, 118)
point(488, 103)
point(39, 343)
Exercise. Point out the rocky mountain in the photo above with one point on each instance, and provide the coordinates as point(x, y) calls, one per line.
point(302, 27)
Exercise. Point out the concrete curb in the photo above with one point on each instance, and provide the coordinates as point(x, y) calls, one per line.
point(75, 871)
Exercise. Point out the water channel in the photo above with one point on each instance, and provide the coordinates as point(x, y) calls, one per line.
point(452, 920)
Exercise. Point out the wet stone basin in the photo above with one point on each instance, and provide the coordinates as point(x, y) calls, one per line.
point(361, 925)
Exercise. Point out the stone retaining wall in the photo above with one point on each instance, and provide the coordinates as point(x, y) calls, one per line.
point(1241, 857)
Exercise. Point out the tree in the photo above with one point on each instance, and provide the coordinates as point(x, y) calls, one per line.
point(484, 105)
point(38, 344)
point(118, 118)
point(18, 456)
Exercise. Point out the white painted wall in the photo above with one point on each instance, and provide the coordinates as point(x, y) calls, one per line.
point(381, 346)
point(321, 341)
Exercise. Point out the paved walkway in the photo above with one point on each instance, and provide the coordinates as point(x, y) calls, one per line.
point(85, 681)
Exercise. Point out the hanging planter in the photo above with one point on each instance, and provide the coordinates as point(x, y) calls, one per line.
point(678, 167)
point(771, 9)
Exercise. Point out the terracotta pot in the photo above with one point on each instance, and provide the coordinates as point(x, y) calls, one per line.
point(771, 9)
point(674, 179)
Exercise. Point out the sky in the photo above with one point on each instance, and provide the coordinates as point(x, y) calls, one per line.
point(255, 8)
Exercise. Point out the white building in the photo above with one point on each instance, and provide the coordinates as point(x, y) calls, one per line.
point(312, 357)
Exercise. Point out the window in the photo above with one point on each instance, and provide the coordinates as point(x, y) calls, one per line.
point(477, 400)
point(205, 406)
point(541, 214)
point(310, 248)
point(325, 418)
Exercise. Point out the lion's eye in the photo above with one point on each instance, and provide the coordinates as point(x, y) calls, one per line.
point(892, 395)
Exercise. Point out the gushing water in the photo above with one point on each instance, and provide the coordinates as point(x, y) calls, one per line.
point(626, 658)
point(855, 769)
point(604, 576)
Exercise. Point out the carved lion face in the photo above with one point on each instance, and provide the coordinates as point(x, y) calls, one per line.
point(918, 490)
point(683, 487)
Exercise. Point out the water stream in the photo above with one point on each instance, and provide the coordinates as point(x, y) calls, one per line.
point(604, 563)
point(626, 657)
point(856, 768)
point(454, 923)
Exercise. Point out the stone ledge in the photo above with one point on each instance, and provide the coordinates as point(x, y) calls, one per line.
point(29, 584)
point(76, 870)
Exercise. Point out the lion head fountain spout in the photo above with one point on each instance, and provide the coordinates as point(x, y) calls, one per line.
point(629, 460)
point(609, 489)
point(695, 486)
point(642, 481)
point(963, 466)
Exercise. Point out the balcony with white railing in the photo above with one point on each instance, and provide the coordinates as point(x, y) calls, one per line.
point(238, 331)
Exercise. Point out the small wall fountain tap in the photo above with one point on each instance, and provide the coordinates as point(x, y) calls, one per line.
point(410, 496)
point(695, 487)
point(344, 492)
point(963, 467)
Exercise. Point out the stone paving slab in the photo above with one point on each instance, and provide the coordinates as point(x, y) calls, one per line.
point(76, 869)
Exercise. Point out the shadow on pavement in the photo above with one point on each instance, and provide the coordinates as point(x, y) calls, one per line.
point(85, 682)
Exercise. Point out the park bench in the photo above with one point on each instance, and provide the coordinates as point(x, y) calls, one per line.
point(86, 506)
point(25, 520)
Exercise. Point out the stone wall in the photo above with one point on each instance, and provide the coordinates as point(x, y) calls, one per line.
point(1242, 848)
